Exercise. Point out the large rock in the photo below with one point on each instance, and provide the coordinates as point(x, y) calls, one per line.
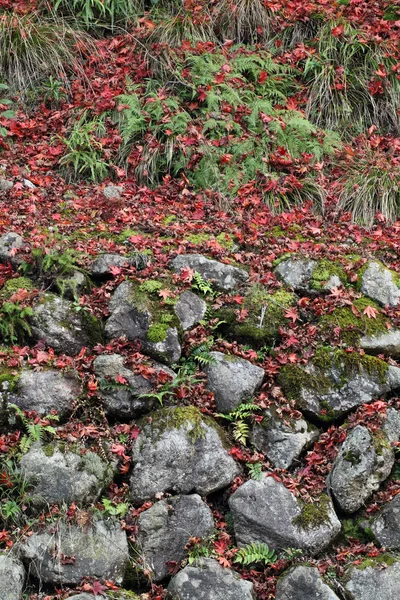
point(125, 402)
point(333, 384)
point(384, 343)
point(5, 185)
point(303, 583)
point(63, 477)
point(282, 439)
point(233, 380)
point(380, 284)
point(113, 192)
point(207, 580)
point(180, 451)
point(62, 327)
point(362, 464)
point(190, 309)
point(10, 243)
point(386, 526)
point(12, 577)
point(266, 511)
point(374, 582)
point(296, 272)
point(138, 316)
point(225, 277)
point(44, 391)
point(64, 553)
point(104, 262)
point(165, 529)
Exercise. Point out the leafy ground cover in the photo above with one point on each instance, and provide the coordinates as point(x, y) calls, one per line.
point(246, 139)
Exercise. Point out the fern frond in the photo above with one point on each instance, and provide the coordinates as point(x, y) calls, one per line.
point(256, 552)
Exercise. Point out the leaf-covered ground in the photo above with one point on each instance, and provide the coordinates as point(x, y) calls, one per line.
point(200, 173)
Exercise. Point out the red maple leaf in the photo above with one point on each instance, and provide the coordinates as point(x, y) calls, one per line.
point(371, 312)
point(292, 314)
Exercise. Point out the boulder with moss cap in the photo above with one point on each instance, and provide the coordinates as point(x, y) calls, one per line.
point(180, 451)
point(59, 475)
point(305, 275)
point(266, 511)
point(373, 579)
point(138, 313)
point(335, 382)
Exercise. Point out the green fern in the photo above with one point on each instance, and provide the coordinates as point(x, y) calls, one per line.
point(202, 355)
point(256, 552)
point(202, 285)
point(255, 470)
point(237, 417)
point(35, 432)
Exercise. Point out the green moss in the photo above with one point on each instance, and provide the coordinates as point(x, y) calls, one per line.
point(151, 286)
point(381, 442)
point(122, 595)
point(157, 332)
point(188, 417)
point(324, 270)
point(282, 258)
point(225, 240)
point(353, 327)
point(376, 561)
point(92, 327)
point(13, 285)
point(313, 515)
point(266, 312)
point(48, 450)
point(8, 380)
point(168, 219)
point(293, 378)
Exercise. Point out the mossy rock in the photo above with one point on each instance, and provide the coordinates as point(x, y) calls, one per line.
point(314, 514)
point(324, 271)
point(266, 313)
point(353, 326)
point(378, 561)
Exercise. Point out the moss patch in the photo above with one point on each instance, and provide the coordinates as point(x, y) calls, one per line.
point(376, 561)
point(354, 327)
point(225, 240)
point(324, 270)
point(266, 312)
point(313, 515)
point(13, 285)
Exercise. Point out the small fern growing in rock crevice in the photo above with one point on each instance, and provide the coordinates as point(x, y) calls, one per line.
point(256, 552)
point(237, 417)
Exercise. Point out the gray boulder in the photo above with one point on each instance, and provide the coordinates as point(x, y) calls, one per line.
point(283, 439)
point(391, 425)
point(225, 277)
point(125, 402)
point(386, 526)
point(233, 380)
point(190, 310)
point(296, 272)
point(63, 477)
point(5, 185)
point(134, 315)
point(339, 385)
point(207, 580)
point(303, 583)
point(44, 391)
point(10, 243)
point(64, 553)
point(56, 321)
point(379, 283)
point(374, 582)
point(165, 529)
point(180, 451)
point(266, 511)
point(12, 577)
point(362, 464)
point(102, 264)
point(113, 192)
point(384, 343)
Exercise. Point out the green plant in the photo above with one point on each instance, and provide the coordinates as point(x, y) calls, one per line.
point(5, 114)
point(256, 552)
point(255, 470)
point(14, 493)
point(53, 92)
point(33, 47)
point(371, 184)
point(201, 354)
point(36, 429)
point(114, 509)
point(84, 156)
point(102, 13)
point(203, 286)
point(175, 24)
point(198, 548)
point(243, 20)
point(238, 418)
point(14, 322)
